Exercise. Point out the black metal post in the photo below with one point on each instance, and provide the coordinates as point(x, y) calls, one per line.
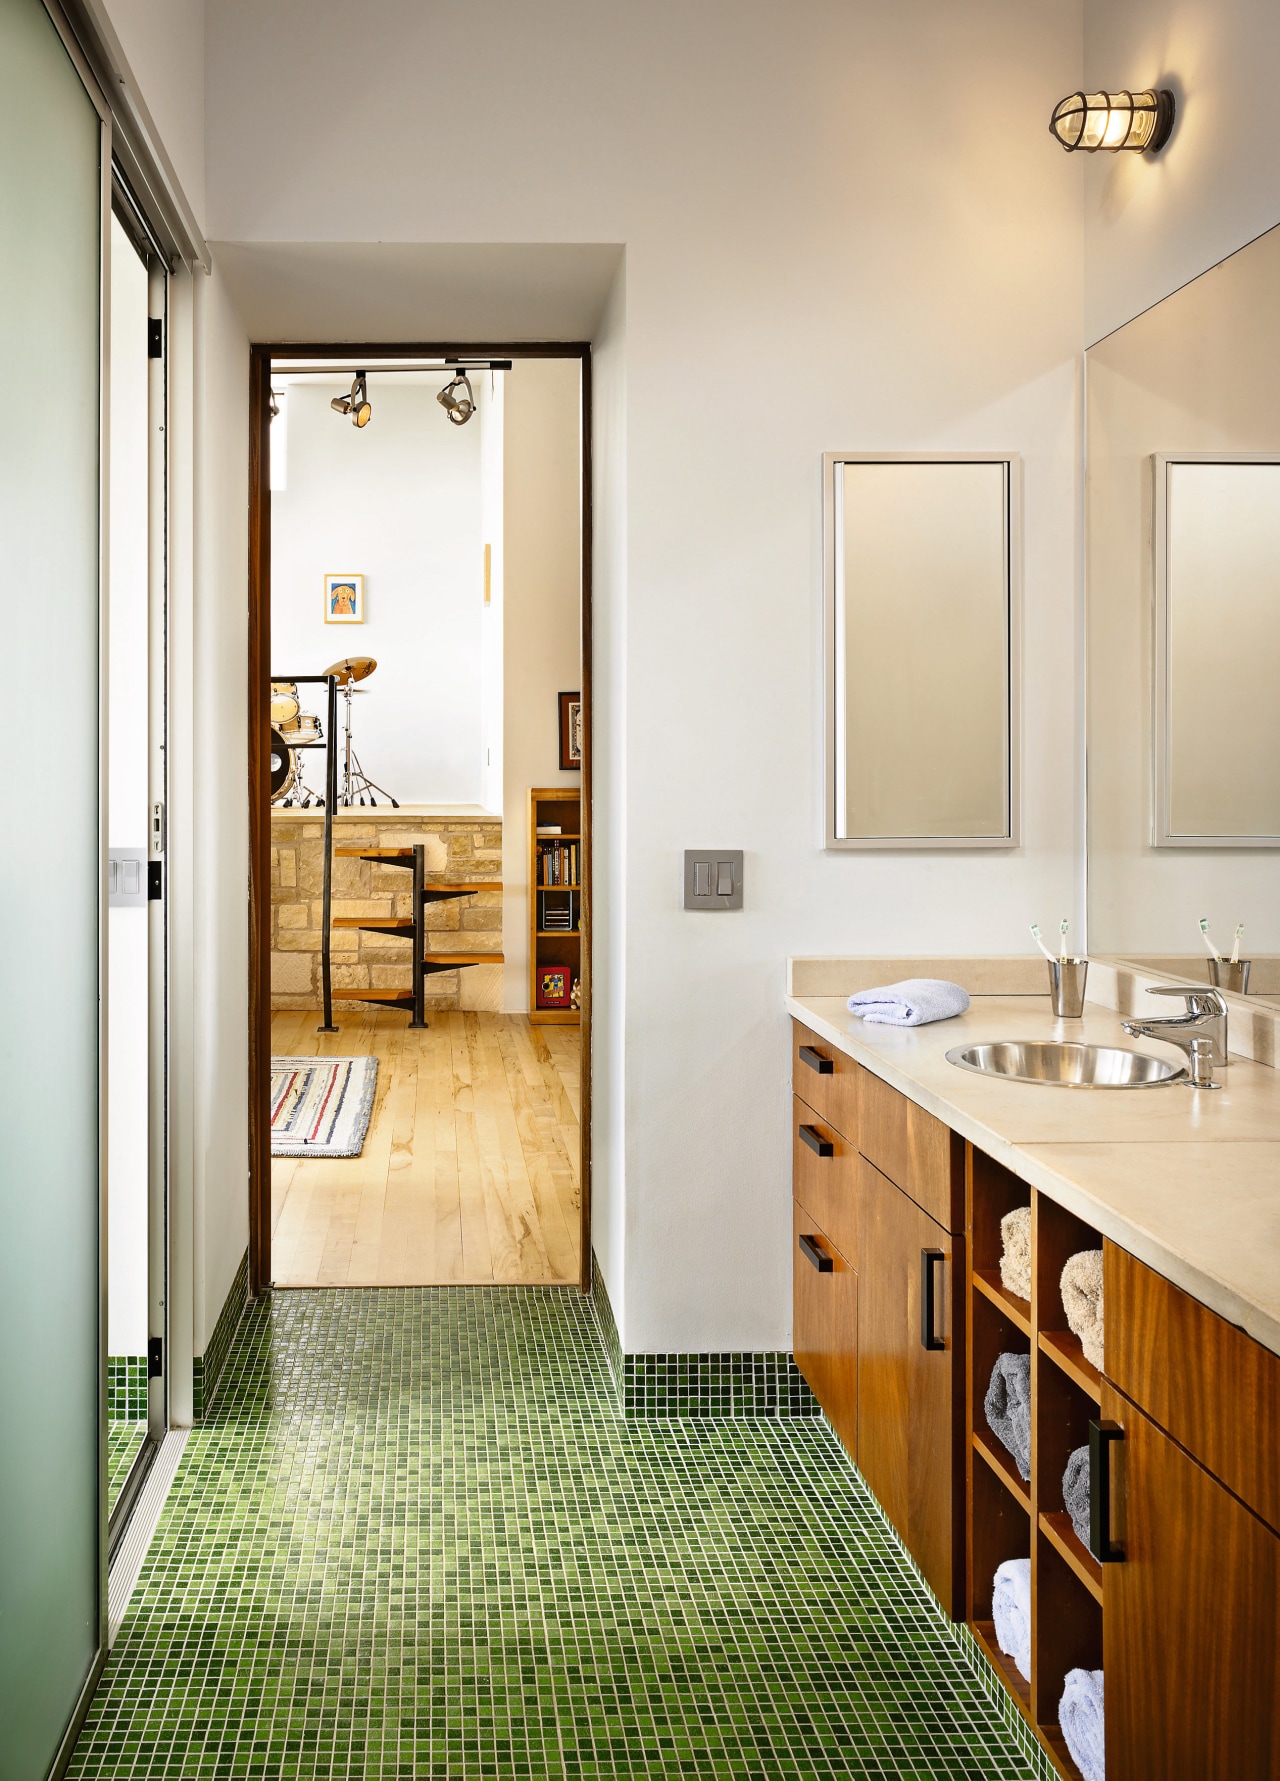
point(330, 799)
point(419, 1016)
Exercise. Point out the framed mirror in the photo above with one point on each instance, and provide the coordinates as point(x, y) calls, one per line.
point(922, 650)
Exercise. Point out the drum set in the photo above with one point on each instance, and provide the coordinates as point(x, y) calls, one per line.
point(294, 730)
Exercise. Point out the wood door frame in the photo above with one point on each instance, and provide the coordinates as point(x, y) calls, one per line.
point(259, 687)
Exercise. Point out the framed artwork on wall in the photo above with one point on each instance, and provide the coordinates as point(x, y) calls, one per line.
point(554, 986)
point(344, 599)
point(570, 732)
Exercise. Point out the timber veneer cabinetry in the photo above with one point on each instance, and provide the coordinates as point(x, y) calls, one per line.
point(899, 1315)
point(878, 1326)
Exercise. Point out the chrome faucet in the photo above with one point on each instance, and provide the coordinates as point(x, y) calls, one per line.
point(1205, 1018)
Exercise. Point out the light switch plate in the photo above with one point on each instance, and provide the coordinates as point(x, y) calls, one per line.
point(708, 868)
point(127, 878)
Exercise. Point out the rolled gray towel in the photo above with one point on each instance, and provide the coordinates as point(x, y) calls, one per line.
point(1008, 1407)
point(1075, 1492)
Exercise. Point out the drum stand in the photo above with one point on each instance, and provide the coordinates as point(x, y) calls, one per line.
point(355, 782)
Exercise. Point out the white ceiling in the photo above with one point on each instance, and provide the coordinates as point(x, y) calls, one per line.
point(434, 292)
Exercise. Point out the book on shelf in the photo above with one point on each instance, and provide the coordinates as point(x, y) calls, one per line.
point(550, 828)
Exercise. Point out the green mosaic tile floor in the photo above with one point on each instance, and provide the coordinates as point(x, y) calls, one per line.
point(415, 1540)
point(124, 1439)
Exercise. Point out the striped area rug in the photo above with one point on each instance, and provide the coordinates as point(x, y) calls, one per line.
point(320, 1106)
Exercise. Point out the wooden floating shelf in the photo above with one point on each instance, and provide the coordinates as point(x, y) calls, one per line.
point(1018, 1311)
point(1064, 1349)
point(377, 924)
point(1056, 1527)
point(1002, 1465)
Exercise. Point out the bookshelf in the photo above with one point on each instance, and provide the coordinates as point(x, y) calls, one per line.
point(555, 896)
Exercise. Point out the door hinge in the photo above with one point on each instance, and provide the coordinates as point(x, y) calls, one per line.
point(155, 1357)
point(155, 880)
point(155, 337)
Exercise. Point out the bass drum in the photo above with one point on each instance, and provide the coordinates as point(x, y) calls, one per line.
point(284, 701)
point(284, 767)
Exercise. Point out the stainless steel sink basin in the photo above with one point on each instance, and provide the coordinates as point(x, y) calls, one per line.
point(1064, 1063)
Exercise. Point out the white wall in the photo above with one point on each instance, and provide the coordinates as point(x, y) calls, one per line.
point(491, 422)
point(829, 244)
point(158, 46)
point(219, 805)
point(399, 502)
point(1153, 223)
point(542, 617)
point(127, 812)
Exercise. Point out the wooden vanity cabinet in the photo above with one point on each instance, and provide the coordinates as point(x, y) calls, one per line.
point(878, 1191)
point(910, 1380)
point(1191, 1618)
point(825, 1323)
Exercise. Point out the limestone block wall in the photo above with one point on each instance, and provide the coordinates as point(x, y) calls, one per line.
point(459, 848)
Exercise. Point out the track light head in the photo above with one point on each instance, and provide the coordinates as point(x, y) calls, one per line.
point(357, 404)
point(458, 400)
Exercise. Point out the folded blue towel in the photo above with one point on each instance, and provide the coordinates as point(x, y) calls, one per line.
point(913, 1003)
point(1081, 1718)
point(1011, 1612)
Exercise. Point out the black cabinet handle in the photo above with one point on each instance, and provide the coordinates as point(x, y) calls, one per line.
point(825, 1066)
point(813, 1251)
point(819, 1145)
point(928, 1313)
point(1102, 1437)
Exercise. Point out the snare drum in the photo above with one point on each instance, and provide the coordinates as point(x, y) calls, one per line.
point(284, 701)
point(301, 729)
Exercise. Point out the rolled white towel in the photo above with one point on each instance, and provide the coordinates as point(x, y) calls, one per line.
point(1011, 1611)
point(912, 1003)
point(1081, 1717)
point(1082, 1300)
point(1015, 1257)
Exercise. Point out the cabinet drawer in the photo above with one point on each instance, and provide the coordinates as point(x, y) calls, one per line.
point(1214, 1388)
point(825, 1323)
point(916, 1151)
point(826, 1079)
point(824, 1177)
point(1191, 1616)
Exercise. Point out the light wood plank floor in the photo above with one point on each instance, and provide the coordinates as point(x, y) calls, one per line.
point(469, 1173)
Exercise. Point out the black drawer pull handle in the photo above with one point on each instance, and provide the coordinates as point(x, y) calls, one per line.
point(1102, 1437)
point(819, 1145)
point(825, 1066)
point(810, 1247)
point(928, 1311)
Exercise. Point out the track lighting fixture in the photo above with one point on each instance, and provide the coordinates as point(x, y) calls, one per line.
point(1112, 121)
point(273, 406)
point(458, 400)
point(357, 404)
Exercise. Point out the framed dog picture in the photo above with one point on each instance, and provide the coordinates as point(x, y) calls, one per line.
point(570, 732)
point(554, 986)
point(344, 599)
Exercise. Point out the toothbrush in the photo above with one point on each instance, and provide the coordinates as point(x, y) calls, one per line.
point(1204, 930)
point(1035, 935)
point(1063, 931)
point(1235, 950)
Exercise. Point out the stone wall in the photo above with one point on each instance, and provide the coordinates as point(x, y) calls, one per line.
point(458, 848)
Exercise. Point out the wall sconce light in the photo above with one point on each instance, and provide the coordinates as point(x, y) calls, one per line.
point(1112, 121)
point(458, 399)
point(357, 404)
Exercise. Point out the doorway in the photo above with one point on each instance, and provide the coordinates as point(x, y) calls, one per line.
point(420, 914)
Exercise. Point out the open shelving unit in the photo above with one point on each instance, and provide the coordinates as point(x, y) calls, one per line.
point(555, 893)
point(1008, 1516)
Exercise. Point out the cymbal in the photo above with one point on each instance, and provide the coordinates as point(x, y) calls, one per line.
point(353, 668)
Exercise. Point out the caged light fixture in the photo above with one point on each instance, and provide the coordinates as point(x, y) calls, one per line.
point(1112, 121)
point(458, 400)
point(357, 404)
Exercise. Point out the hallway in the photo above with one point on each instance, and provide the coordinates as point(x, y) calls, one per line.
point(415, 1539)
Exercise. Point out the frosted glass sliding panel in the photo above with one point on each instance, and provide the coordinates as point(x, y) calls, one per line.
point(51, 144)
point(922, 626)
point(1220, 739)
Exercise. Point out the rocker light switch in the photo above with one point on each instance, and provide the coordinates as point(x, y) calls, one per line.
point(713, 878)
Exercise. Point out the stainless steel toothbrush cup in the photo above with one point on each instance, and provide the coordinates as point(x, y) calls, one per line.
point(1066, 987)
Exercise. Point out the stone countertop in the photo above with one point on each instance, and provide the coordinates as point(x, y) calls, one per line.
point(1187, 1181)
